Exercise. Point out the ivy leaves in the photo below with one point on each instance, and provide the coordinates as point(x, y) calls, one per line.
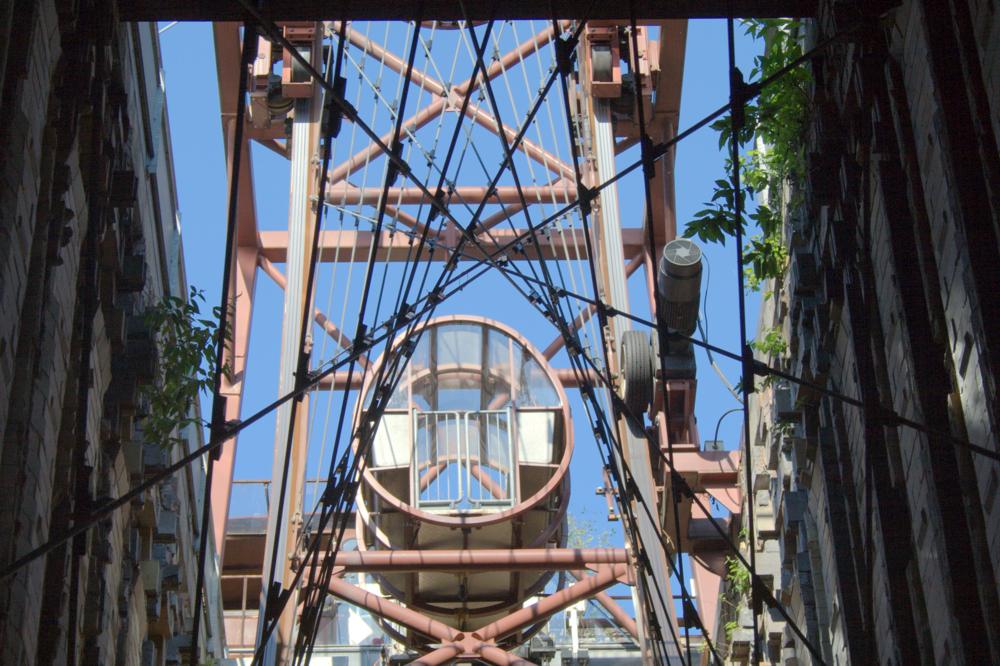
point(773, 129)
point(187, 342)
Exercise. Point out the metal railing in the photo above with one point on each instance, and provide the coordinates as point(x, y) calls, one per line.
point(463, 461)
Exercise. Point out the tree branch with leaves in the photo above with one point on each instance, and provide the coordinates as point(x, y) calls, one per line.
point(187, 341)
point(772, 134)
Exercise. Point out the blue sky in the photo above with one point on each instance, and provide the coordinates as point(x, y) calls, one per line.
point(192, 97)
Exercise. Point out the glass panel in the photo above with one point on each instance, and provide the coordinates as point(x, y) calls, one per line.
point(535, 389)
point(422, 354)
point(456, 379)
point(499, 355)
point(460, 344)
point(458, 397)
point(400, 398)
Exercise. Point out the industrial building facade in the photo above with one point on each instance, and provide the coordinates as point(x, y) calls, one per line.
point(89, 239)
point(873, 466)
point(884, 538)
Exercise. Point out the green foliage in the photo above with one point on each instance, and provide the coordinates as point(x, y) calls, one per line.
point(582, 533)
point(738, 576)
point(188, 342)
point(764, 257)
point(783, 429)
point(775, 124)
point(772, 344)
point(730, 627)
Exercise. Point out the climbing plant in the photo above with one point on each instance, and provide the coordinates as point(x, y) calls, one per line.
point(773, 154)
point(738, 579)
point(738, 576)
point(187, 343)
point(771, 343)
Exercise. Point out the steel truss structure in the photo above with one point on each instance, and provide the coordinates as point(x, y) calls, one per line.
point(403, 219)
point(438, 227)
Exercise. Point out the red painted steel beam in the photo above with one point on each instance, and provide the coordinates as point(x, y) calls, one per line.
point(581, 319)
point(435, 108)
point(623, 619)
point(525, 559)
point(527, 146)
point(336, 245)
point(228, 55)
point(471, 648)
point(552, 604)
point(442, 655)
point(567, 377)
point(429, 83)
point(495, 219)
point(479, 10)
point(372, 151)
point(348, 195)
point(495, 655)
point(393, 611)
point(331, 329)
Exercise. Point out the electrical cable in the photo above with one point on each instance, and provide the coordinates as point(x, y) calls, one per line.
point(329, 304)
point(249, 51)
point(620, 410)
point(736, 123)
point(318, 599)
point(301, 373)
point(681, 485)
point(472, 238)
point(648, 175)
point(366, 418)
point(704, 332)
point(890, 417)
point(719, 422)
point(563, 69)
point(449, 269)
point(464, 279)
point(509, 154)
point(232, 429)
point(625, 489)
point(387, 181)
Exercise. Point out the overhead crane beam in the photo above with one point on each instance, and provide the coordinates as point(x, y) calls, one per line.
point(451, 10)
point(262, 248)
point(337, 245)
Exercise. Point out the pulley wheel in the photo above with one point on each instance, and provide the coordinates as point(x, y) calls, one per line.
point(637, 365)
point(600, 62)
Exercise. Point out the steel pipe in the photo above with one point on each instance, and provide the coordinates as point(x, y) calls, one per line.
point(381, 561)
point(344, 194)
point(552, 604)
point(442, 655)
point(390, 610)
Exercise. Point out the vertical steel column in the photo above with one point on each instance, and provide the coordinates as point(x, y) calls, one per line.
point(611, 265)
point(302, 182)
point(609, 226)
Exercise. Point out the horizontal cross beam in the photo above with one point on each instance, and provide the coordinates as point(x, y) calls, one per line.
point(525, 559)
point(336, 245)
point(451, 10)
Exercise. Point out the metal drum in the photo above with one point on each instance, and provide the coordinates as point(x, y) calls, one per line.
point(472, 453)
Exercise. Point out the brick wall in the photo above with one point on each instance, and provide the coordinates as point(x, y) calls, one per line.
point(87, 242)
point(894, 558)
